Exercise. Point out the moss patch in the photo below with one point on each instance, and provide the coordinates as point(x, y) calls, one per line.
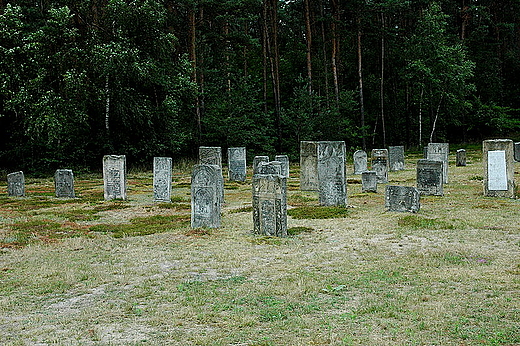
point(318, 212)
point(143, 225)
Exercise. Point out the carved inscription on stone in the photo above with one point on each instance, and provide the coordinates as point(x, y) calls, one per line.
point(270, 205)
point(162, 179)
point(440, 152)
point(256, 162)
point(380, 164)
point(429, 177)
point(64, 183)
point(237, 164)
point(368, 181)
point(461, 157)
point(210, 156)
point(498, 160)
point(360, 162)
point(402, 199)
point(308, 166)
point(16, 184)
point(396, 158)
point(497, 175)
point(284, 161)
point(206, 192)
point(114, 176)
point(331, 173)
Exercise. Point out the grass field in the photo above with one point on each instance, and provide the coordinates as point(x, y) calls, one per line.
point(89, 272)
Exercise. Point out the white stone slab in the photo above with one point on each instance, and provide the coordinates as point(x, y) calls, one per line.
point(497, 175)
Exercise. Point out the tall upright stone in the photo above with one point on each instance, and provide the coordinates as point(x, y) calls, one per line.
point(498, 168)
point(517, 151)
point(206, 196)
point(64, 183)
point(284, 160)
point(162, 179)
point(461, 157)
point(257, 160)
point(380, 164)
point(331, 173)
point(396, 158)
point(271, 167)
point(237, 164)
point(369, 181)
point(440, 152)
point(308, 166)
point(402, 199)
point(270, 204)
point(360, 162)
point(16, 184)
point(210, 156)
point(114, 177)
point(430, 181)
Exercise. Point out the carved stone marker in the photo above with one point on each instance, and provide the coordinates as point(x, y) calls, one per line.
point(206, 196)
point(369, 181)
point(271, 167)
point(360, 162)
point(64, 183)
point(517, 151)
point(425, 152)
point(396, 158)
point(498, 168)
point(308, 166)
point(16, 184)
point(380, 164)
point(461, 157)
point(429, 177)
point(440, 152)
point(284, 160)
point(162, 179)
point(210, 156)
point(114, 176)
point(270, 205)
point(331, 173)
point(256, 162)
point(402, 199)
point(237, 164)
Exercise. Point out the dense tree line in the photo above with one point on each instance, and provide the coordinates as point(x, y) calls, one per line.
point(79, 79)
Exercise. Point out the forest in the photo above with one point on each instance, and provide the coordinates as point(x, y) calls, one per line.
point(81, 79)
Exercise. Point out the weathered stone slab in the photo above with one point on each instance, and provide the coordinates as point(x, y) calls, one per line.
point(425, 152)
point(461, 157)
point(498, 156)
point(331, 173)
point(430, 181)
point(210, 156)
point(237, 164)
point(206, 196)
point(64, 183)
point(16, 184)
point(380, 164)
point(440, 152)
point(114, 177)
point(402, 199)
point(360, 161)
point(284, 160)
point(162, 179)
point(369, 181)
point(270, 204)
point(256, 162)
point(517, 151)
point(396, 158)
point(308, 166)
point(271, 167)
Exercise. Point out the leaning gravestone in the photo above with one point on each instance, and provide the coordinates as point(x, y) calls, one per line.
point(517, 151)
point(271, 167)
point(210, 156)
point(256, 162)
point(498, 168)
point(162, 179)
point(270, 204)
point(360, 162)
point(16, 184)
point(114, 177)
point(64, 183)
point(429, 177)
point(308, 166)
point(396, 158)
point(461, 158)
point(284, 160)
point(237, 164)
point(440, 152)
point(402, 199)
point(331, 173)
point(369, 181)
point(380, 164)
point(206, 192)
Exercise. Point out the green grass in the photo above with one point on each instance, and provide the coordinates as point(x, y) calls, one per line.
point(318, 212)
point(143, 226)
point(420, 222)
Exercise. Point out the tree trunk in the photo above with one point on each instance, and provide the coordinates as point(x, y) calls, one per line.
point(382, 95)
point(308, 37)
point(335, 49)
point(436, 117)
point(360, 76)
point(193, 58)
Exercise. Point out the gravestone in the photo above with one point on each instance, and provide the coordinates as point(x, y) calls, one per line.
point(210, 156)
point(517, 151)
point(284, 160)
point(64, 183)
point(162, 179)
point(206, 196)
point(425, 152)
point(498, 168)
point(271, 167)
point(237, 164)
point(461, 158)
point(440, 152)
point(402, 199)
point(380, 164)
point(369, 181)
point(256, 162)
point(360, 162)
point(270, 204)
point(429, 177)
point(396, 158)
point(308, 166)
point(114, 177)
point(16, 184)
point(331, 173)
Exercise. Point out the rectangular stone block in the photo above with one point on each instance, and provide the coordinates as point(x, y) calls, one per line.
point(396, 158)
point(430, 181)
point(162, 179)
point(369, 181)
point(206, 196)
point(517, 151)
point(380, 164)
point(308, 166)
point(64, 183)
point(210, 156)
point(237, 164)
point(461, 158)
point(270, 204)
point(114, 177)
point(498, 157)
point(271, 167)
point(402, 199)
point(284, 160)
point(256, 162)
point(331, 173)
point(360, 162)
point(440, 152)
point(16, 184)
